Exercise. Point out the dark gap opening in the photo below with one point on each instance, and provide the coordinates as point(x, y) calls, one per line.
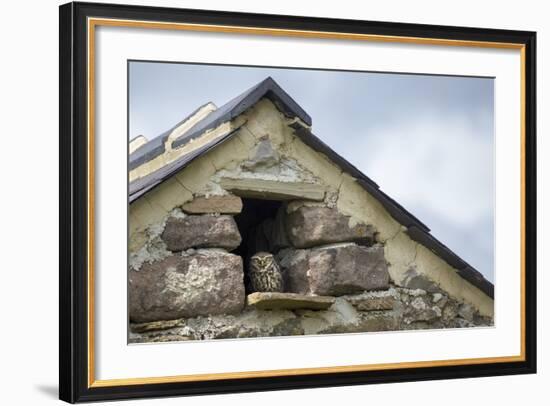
point(255, 223)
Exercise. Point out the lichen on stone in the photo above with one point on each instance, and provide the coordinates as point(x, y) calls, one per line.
point(154, 248)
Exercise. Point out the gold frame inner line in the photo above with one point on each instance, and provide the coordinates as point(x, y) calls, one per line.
point(94, 22)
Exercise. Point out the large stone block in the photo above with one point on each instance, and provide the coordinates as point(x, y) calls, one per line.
point(312, 226)
point(335, 270)
point(208, 282)
point(205, 231)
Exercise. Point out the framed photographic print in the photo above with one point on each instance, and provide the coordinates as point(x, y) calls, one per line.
point(257, 202)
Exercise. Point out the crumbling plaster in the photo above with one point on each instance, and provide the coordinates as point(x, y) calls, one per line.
point(265, 120)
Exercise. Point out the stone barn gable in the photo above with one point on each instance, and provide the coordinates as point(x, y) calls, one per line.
point(257, 154)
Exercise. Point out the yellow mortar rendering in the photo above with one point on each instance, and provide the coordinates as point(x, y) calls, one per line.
point(265, 119)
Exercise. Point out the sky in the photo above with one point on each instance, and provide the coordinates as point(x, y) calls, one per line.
point(427, 141)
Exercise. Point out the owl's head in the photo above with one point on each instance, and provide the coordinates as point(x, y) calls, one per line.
point(262, 260)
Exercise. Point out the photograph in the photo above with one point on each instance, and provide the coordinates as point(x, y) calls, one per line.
point(274, 201)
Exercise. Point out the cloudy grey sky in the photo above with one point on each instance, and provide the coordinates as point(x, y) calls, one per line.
point(426, 140)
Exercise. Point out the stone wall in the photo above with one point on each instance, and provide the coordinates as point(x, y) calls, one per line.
point(388, 310)
point(185, 269)
point(186, 284)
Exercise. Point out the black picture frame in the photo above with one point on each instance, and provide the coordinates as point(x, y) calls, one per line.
point(74, 384)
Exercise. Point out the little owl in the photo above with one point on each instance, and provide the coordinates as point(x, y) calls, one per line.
point(265, 274)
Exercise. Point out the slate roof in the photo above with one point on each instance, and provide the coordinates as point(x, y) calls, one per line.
point(142, 185)
point(266, 88)
point(417, 230)
point(154, 147)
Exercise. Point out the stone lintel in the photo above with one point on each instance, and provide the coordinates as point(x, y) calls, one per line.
point(272, 189)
